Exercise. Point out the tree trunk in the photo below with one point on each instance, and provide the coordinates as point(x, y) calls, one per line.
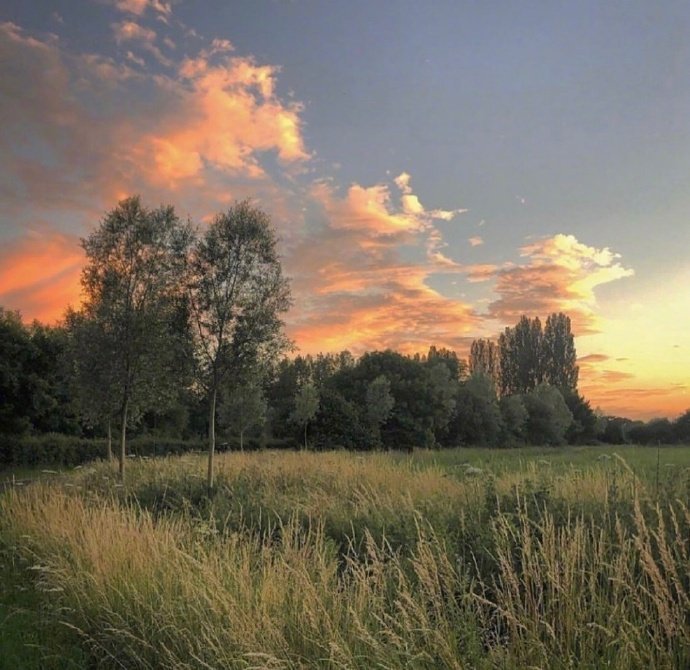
point(211, 437)
point(242, 440)
point(305, 434)
point(110, 441)
point(123, 439)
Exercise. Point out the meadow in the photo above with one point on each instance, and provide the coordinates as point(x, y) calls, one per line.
point(576, 557)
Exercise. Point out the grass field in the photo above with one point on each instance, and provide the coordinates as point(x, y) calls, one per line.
point(466, 558)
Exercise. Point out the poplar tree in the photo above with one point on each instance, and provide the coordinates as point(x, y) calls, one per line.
point(484, 359)
point(560, 368)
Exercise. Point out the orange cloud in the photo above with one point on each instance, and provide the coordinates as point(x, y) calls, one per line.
point(138, 7)
point(126, 31)
point(204, 145)
point(40, 275)
point(644, 402)
point(355, 290)
point(226, 116)
point(561, 275)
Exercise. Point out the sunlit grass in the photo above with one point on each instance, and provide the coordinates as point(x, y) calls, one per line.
point(467, 558)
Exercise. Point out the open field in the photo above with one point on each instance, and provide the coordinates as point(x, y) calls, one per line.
point(466, 558)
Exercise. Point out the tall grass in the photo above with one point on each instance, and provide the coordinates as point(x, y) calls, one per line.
point(339, 561)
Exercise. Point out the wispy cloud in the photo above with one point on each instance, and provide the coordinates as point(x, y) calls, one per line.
point(138, 7)
point(130, 31)
point(39, 274)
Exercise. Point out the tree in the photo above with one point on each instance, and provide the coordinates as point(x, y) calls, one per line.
point(15, 352)
point(521, 357)
point(134, 260)
point(484, 358)
point(528, 355)
point(477, 417)
point(338, 423)
point(243, 408)
point(93, 358)
point(583, 428)
point(424, 396)
point(48, 374)
point(514, 419)
point(379, 403)
point(559, 357)
point(236, 294)
point(456, 367)
point(306, 406)
point(681, 428)
point(548, 417)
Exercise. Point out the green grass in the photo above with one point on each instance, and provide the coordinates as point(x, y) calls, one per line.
point(467, 558)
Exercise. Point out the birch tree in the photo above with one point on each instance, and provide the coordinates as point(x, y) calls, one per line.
point(132, 291)
point(237, 293)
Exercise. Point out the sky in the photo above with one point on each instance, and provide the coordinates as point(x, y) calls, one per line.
point(434, 169)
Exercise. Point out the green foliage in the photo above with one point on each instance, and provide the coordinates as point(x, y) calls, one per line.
point(379, 403)
point(338, 424)
point(584, 426)
point(306, 406)
point(14, 391)
point(423, 392)
point(477, 415)
point(243, 408)
point(548, 416)
point(59, 450)
point(528, 355)
point(34, 378)
point(484, 358)
point(681, 428)
point(236, 293)
point(514, 420)
point(656, 431)
point(131, 309)
point(559, 359)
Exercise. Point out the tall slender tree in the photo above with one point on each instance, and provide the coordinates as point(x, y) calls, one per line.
point(307, 402)
point(521, 357)
point(560, 367)
point(237, 293)
point(484, 359)
point(131, 300)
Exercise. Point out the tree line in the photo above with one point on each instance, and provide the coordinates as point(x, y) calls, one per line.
point(180, 334)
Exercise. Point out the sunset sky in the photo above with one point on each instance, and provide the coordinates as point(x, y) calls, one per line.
point(434, 169)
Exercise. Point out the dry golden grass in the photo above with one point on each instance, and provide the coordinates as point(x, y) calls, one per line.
point(568, 569)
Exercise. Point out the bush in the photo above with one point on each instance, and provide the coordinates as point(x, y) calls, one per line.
point(66, 450)
point(49, 449)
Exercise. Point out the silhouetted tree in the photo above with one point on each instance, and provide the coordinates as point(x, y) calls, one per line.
point(559, 357)
point(484, 358)
point(237, 293)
